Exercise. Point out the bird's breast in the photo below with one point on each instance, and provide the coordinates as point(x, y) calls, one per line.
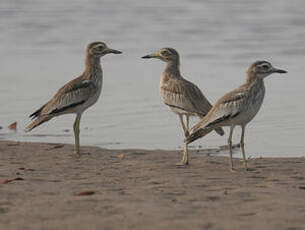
point(254, 103)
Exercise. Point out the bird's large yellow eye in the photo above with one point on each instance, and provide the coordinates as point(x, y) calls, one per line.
point(165, 53)
point(99, 47)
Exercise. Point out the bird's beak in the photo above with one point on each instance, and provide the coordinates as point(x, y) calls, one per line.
point(155, 55)
point(275, 70)
point(108, 51)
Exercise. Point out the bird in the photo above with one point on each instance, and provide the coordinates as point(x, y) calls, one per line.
point(238, 107)
point(78, 94)
point(181, 96)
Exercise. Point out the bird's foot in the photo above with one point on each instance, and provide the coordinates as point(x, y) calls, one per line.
point(182, 164)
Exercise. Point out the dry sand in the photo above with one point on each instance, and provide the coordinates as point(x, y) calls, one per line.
point(141, 189)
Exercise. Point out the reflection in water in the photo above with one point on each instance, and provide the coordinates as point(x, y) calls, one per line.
point(43, 44)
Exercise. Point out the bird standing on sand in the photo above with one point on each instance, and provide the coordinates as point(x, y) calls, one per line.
point(77, 95)
point(238, 107)
point(181, 96)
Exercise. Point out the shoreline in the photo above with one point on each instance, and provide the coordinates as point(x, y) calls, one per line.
point(143, 189)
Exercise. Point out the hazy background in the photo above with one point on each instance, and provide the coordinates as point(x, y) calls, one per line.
point(42, 46)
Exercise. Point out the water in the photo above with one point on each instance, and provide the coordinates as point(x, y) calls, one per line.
point(42, 46)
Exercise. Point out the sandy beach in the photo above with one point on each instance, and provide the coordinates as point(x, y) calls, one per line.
point(44, 186)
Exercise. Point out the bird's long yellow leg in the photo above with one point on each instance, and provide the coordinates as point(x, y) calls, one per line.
point(186, 152)
point(184, 160)
point(187, 125)
point(76, 133)
point(183, 125)
point(230, 147)
point(242, 145)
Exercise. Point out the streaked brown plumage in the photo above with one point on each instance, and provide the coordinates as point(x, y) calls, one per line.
point(185, 95)
point(180, 95)
point(238, 107)
point(78, 94)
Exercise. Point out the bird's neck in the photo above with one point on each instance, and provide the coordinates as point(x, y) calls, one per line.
point(254, 83)
point(93, 67)
point(252, 77)
point(172, 69)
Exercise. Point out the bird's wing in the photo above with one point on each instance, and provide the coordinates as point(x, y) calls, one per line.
point(227, 107)
point(73, 93)
point(185, 95)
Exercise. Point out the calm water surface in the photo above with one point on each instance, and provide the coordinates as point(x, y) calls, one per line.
point(42, 46)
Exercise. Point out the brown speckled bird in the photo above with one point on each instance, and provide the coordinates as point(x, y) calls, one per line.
point(238, 107)
point(180, 95)
point(77, 95)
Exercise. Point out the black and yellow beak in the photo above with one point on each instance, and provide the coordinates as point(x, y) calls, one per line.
point(151, 56)
point(112, 51)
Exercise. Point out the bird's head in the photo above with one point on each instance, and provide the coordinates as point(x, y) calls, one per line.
point(165, 54)
point(262, 69)
point(99, 49)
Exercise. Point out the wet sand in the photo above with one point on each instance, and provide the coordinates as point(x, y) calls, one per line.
point(141, 189)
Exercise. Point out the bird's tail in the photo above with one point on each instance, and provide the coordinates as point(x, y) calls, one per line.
point(38, 121)
point(197, 134)
point(218, 130)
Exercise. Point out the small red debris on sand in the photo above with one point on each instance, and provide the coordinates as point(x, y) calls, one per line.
point(5, 181)
point(85, 193)
point(55, 147)
point(121, 156)
point(13, 126)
